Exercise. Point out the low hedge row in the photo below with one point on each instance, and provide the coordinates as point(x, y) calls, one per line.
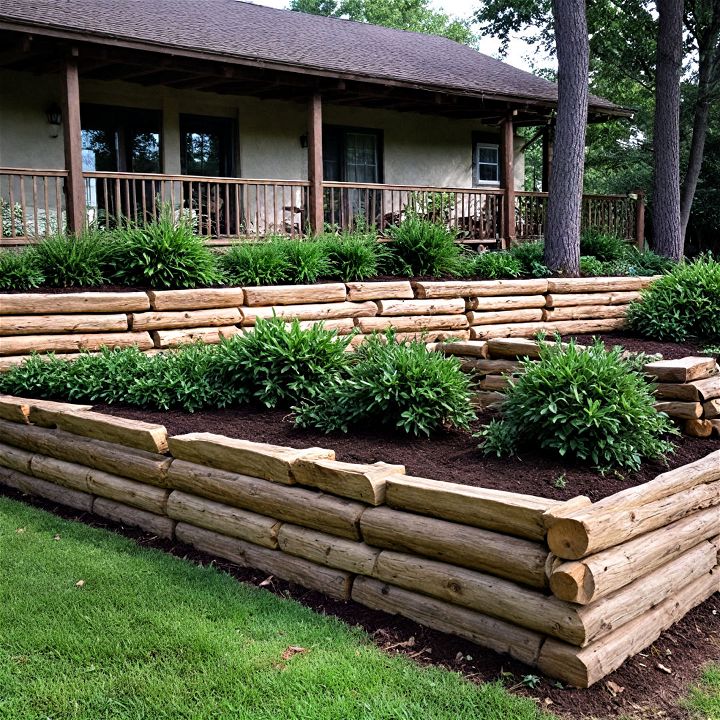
point(168, 254)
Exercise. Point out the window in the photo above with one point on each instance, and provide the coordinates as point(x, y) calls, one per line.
point(207, 146)
point(486, 163)
point(117, 139)
point(352, 154)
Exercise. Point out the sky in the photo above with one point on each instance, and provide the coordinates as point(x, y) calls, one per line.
point(518, 51)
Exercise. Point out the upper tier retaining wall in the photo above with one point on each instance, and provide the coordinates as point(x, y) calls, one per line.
point(573, 588)
point(67, 323)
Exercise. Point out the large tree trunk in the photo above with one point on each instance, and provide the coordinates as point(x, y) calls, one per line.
point(562, 237)
point(705, 28)
point(667, 233)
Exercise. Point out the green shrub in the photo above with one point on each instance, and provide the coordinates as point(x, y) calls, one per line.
point(603, 245)
point(497, 266)
point(279, 364)
point(590, 266)
point(684, 303)
point(40, 376)
point(420, 247)
point(646, 262)
point(392, 384)
point(307, 260)
point(19, 270)
point(163, 254)
point(352, 256)
point(588, 405)
point(74, 261)
point(262, 263)
point(530, 255)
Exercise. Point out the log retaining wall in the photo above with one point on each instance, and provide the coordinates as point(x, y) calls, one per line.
point(67, 323)
point(572, 588)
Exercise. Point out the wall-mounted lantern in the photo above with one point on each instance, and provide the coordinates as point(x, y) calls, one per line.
point(54, 118)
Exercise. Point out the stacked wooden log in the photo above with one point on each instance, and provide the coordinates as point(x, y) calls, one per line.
point(68, 323)
point(688, 390)
point(460, 559)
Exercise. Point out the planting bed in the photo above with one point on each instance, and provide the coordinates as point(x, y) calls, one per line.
point(452, 455)
point(573, 588)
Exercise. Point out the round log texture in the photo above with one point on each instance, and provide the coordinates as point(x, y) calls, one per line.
point(294, 294)
point(512, 330)
point(224, 519)
point(48, 490)
point(498, 635)
point(47, 324)
point(26, 344)
point(682, 370)
point(15, 458)
point(585, 312)
point(83, 302)
point(599, 284)
point(288, 503)
point(400, 290)
point(479, 288)
point(196, 298)
point(414, 323)
point(166, 339)
point(508, 557)
point(314, 311)
point(169, 320)
point(511, 302)
point(159, 525)
point(500, 317)
point(449, 306)
point(556, 300)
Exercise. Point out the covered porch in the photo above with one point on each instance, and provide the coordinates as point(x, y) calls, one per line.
point(124, 120)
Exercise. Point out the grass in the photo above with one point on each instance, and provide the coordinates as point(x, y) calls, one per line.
point(704, 700)
point(150, 636)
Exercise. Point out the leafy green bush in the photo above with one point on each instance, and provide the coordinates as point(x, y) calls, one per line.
point(421, 247)
point(352, 256)
point(279, 364)
point(497, 266)
point(682, 304)
point(306, 260)
point(392, 384)
point(530, 255)
point(19, 270)
point(646, 262)
point(163, 254)
point(74, 260)
point(590, 266)
point(603, 245)
point(263, 263)
point(40, 376)
point(585, 404)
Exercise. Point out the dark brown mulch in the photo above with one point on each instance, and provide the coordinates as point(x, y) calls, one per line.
point(639, 689)
point(669, 351)
point(452, 456)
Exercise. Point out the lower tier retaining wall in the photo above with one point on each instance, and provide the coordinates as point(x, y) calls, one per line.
point(572, 588)
point(67, 323)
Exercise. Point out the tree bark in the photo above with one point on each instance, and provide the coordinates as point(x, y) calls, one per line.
point(705, 26)
point(668, 240)
point(562, 239)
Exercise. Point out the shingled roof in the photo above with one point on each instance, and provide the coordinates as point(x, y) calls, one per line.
point(243, 31)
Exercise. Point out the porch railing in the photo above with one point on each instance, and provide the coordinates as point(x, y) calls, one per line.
point(220, 208)
point(32, 204)
point(474, 214)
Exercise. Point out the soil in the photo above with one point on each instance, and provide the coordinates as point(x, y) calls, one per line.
point(640, 689)
point(451, 456)
point(669, 351)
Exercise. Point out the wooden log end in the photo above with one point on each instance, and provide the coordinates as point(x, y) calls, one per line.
point(568, 538)
point(572, 582)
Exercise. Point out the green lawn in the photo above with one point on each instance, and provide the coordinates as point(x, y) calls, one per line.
point(704, 700)
point(147, 635)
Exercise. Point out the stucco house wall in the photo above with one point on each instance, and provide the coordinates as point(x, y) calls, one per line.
point(418, 149)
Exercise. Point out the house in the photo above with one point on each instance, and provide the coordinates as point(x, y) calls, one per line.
point(251, 120)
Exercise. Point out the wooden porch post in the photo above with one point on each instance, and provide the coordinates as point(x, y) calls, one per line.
point(508, 179)
point(640, 220)
point(315, 162)
point(547, 153)
point(72, 137)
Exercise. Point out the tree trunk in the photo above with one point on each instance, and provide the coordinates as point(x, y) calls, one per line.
point(668, 240)
point(705, 28)
point(562, 239)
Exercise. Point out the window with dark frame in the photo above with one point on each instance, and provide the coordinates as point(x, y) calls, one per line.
point(207, 146)
point(352, 154)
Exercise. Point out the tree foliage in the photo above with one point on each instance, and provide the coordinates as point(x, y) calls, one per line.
point(414, 15)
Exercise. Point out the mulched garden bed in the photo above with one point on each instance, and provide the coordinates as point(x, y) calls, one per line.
point(669, 351)
point(639, 689)
point(451, 456)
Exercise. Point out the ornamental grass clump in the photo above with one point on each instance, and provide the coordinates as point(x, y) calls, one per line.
point(499, 265)
point(420, 247)
point(352, 256)
point(262, 263)
point(74, 260)
point(163, 254)
point(19, 270)
point(395, 385)
point(683, 304)
point(279, 364)
point(584, 404)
